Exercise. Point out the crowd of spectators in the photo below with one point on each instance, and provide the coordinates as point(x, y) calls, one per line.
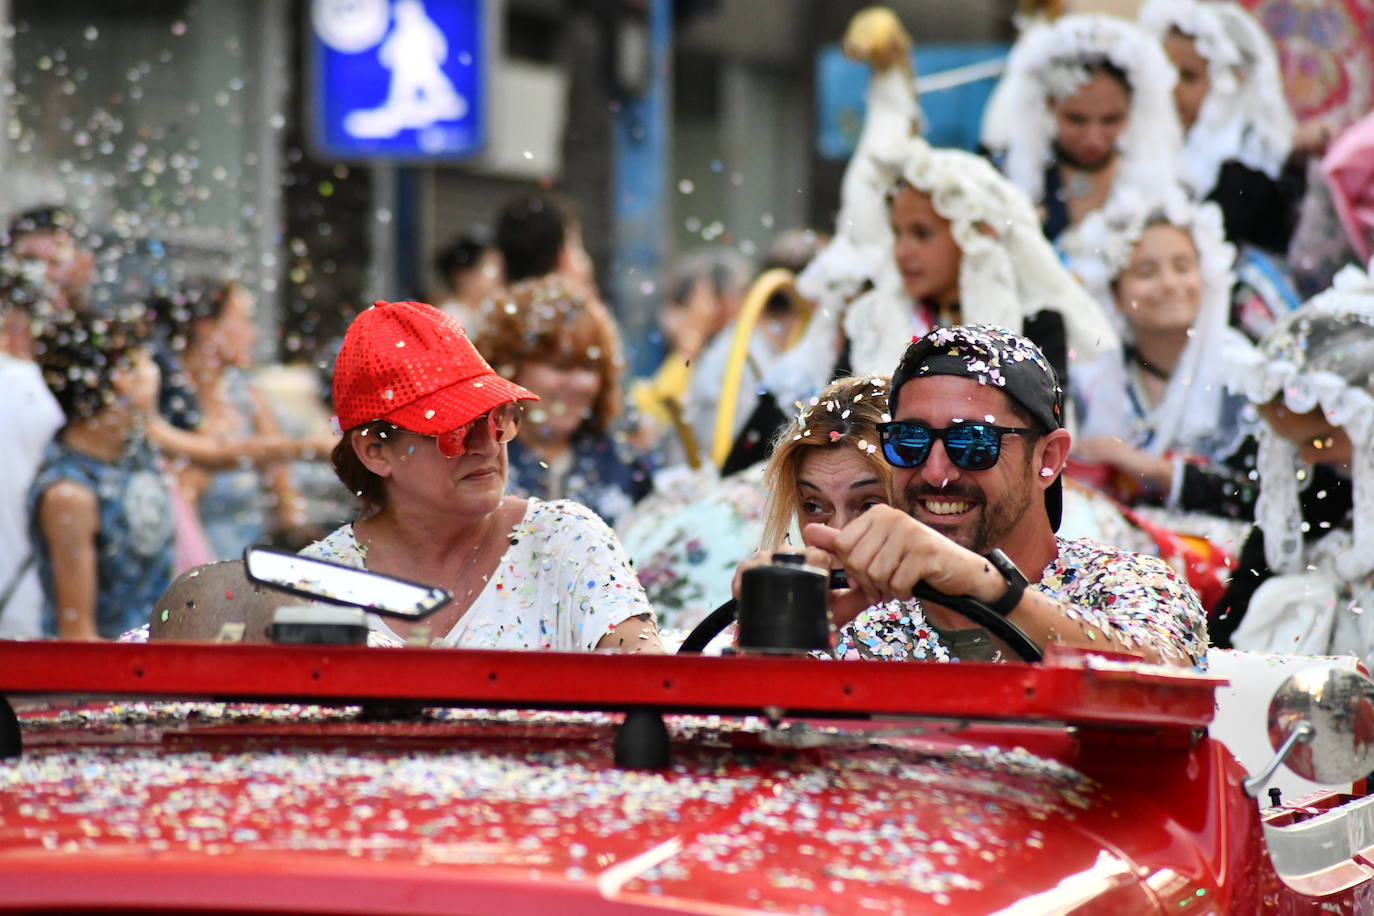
point(1113, 232)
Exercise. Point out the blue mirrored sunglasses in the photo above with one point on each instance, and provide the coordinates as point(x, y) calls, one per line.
point(971, 446)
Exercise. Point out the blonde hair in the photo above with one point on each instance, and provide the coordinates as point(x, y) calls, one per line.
point(846, 413)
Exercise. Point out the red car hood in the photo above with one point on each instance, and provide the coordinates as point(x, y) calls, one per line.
point(306, 810)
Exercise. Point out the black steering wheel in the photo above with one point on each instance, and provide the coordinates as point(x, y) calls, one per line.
point(1012, 636)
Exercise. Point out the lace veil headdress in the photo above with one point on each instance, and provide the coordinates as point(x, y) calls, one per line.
point(1008, 270)
point(860, 252)
point(1050, 63)
point(1246, 116)
point(1320, 356)
point(1101, 249)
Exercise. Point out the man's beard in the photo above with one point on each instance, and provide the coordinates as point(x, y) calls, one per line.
point(1064, 157)
point(992, 523)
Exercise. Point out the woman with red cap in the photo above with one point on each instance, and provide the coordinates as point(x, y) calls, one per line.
point(425, 424)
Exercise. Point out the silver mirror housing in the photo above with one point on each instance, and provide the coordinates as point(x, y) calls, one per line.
point(320, 580)
point(1337, 707)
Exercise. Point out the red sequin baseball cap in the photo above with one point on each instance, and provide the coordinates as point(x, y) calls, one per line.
point(413, 365)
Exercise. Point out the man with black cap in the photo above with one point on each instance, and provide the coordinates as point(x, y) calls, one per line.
point(977, 513)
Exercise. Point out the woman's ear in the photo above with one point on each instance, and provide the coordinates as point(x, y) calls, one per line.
point(370, 447)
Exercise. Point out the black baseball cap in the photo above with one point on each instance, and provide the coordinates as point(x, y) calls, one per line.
point(998, 357)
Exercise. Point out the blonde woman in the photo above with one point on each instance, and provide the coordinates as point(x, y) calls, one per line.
point(827, 468)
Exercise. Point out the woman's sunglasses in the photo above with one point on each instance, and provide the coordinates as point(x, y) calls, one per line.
point(971, 446)
point(502, 421)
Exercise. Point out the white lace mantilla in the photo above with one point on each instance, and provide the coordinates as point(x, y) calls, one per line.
point(1050, 63)
point(1279, 370)
point(1099, 250)
point(1245, 116)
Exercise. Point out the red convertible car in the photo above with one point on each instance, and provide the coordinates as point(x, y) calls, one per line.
point(346, 779)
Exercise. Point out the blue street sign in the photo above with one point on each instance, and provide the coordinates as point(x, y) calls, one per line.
point(398, 79)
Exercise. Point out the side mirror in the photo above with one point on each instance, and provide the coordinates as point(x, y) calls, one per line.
point(1321, 723)
point(319, 580)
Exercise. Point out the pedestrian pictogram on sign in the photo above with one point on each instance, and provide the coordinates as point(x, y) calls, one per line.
point(398, 78)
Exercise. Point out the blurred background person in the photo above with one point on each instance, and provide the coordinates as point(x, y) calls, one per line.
point(100, 504)
point(1348, 168)
point(966, 250)
point(1238, 127)
point(539, 234)
point(31, 416)
point(1154, 414)
point(1305, 580)
point(469, 267)
point(784, 316)
point(232, 464)
point(43, 240)
point(704, 296)
point(1088, 108)
point(965, 246)
point(549, 338)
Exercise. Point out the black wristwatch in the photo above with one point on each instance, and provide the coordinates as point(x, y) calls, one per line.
point(1016, 583)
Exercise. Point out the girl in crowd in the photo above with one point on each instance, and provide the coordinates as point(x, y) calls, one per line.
point(427, 425)
point(1156, 411)
point(100, 505)
point(1231, 104)
point(1307, 571)
point(470, 269)
point(230, 461)
point(1083, 109)
point(966, 249)
point(565, 348)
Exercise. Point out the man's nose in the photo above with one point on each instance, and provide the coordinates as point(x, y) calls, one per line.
point(938, 470)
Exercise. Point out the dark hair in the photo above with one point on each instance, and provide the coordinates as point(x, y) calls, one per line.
point(18, 293)
point(79, 353)
point(46, 218)
point(531, 230)
point(365, 486)
point(462, 253)
point(172, 314)
point(1105, 67)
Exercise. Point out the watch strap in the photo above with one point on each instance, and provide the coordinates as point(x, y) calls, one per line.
point(1016, 583)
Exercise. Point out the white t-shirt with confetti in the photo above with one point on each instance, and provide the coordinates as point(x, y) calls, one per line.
point(563, 583)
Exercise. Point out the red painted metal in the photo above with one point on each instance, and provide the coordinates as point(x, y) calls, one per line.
point(152, 806)
point(1115, 698)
